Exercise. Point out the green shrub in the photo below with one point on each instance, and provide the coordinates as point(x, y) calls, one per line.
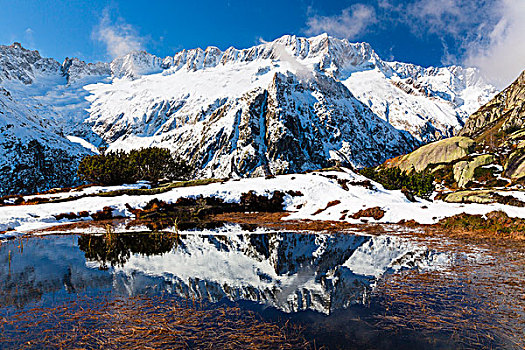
point(116, 168)
point(419, 183)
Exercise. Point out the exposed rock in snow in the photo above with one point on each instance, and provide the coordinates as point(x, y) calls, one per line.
point(288, 105)
point(135, 64)
point(318, 189)
point(75, 69)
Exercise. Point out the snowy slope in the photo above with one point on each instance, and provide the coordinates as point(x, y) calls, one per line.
point(37, 111)
point(284, 106)
point(318, 188)
point(33, 155)
point(430, 103)
point(236, 120)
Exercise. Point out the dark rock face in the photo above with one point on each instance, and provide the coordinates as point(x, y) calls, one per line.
point(288, 126)
point(36, 167)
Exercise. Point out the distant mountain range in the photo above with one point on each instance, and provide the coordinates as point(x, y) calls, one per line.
point(284, 106)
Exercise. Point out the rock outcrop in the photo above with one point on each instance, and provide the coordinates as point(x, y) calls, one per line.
point(490, 151)
point(464, 171)
point(444, 151)
point(502, 116)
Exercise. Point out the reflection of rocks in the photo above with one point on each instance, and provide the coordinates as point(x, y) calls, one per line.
point(289, 271)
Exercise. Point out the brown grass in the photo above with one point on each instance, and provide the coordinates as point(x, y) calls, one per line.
point(477, 303)
point(375, 212)
point(330, 204)
point(144, 323)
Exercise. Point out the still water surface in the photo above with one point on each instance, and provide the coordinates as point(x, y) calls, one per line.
point(344, 290)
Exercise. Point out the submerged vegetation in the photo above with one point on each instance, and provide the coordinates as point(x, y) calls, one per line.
point(145, 323)
point(117, 168)
point(115, 249)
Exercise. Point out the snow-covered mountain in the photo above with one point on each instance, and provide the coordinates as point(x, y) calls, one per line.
point(285, 106)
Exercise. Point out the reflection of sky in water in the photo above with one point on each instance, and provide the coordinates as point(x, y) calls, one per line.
point(289, 271)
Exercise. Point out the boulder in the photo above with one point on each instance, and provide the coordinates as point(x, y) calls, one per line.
point(443, 151)
point(464, 170)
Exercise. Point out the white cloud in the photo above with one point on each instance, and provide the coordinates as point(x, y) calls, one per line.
point(29, 38)
point(119, 37)
point(352, 22)
point(488, 34)
point(441, 16)
point(501, 57)
point(300, 70)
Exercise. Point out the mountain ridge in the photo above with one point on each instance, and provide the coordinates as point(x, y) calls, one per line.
point(315, 105)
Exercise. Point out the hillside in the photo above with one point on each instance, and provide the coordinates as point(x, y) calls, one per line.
point(488, 154)
point(286, 106)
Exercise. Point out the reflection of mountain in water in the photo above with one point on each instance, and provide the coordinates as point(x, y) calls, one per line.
point(289, 271)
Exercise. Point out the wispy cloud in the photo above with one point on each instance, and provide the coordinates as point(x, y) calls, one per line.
point(501, 56)
point(302, 71)
point(119, 37)
point(442, 16)
point(29, 38)
point(488, 34)
point(350, 23)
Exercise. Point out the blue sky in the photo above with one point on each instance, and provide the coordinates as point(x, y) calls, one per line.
point(483, 33)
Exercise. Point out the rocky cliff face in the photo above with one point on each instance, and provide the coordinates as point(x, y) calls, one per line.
point(281, 125)
point(490, 151)
point(504, 113)
point(289, 105)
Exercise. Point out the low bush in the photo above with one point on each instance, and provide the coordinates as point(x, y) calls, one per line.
point(495, 221)
point(418, 183)
point(116, 168)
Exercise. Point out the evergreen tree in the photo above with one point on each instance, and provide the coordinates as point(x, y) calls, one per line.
point(419, 183)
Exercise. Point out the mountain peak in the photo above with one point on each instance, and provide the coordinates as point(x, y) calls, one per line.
point(135, 64)
point(20, 64)
point(291, 104)
point(17, 45)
